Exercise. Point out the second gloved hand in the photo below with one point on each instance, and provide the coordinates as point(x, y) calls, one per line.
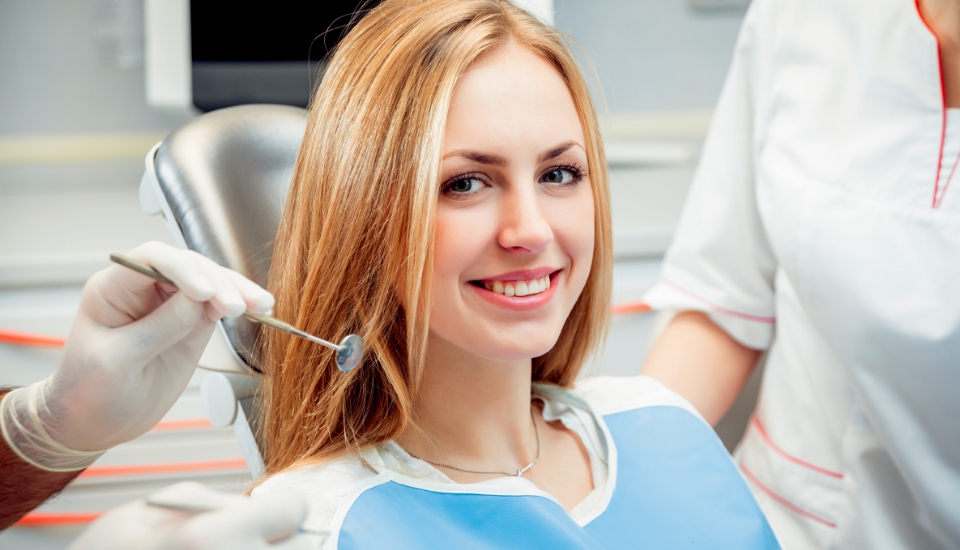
point(270, 521)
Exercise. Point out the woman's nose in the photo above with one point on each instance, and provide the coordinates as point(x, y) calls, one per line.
point(524, 227)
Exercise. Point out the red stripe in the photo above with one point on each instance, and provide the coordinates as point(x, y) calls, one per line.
point(169, 468)
point(943, 99)
point(43, 519)
point(631, 307)
point(793, 507)
point(946, 184)
point(943, 132)
point(27, 339)
point(791, 458)
point(722, 309)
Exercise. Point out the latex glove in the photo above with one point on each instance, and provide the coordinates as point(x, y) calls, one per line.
point(132, 349)
point(271, 520)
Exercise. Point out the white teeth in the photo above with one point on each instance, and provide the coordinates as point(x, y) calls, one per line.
point(519, 288)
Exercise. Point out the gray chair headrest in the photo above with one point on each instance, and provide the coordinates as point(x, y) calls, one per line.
point(225, 177)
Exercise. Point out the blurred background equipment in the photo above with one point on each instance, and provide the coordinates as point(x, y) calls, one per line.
point(84, 100)
point(214, 54)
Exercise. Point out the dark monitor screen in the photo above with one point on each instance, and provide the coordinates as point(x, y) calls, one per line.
point(263, 52)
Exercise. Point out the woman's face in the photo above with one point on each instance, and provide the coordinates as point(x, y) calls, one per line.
point(515, 219)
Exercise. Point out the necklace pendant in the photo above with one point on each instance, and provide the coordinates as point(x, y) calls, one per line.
point(519, 473)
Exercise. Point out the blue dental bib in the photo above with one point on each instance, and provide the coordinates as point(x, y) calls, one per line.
point(675, 487)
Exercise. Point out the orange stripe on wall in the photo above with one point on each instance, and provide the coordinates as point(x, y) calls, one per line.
point(48, 519)
point(631, 307)
point(51, 519)
point(170, 468)
point(27, 339)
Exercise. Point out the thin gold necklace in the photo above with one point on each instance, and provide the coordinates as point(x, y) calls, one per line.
point(518, 473)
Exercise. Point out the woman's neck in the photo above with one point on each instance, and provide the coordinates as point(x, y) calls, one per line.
point(472, 412)
point(943, 17)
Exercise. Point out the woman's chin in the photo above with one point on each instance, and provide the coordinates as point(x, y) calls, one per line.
point(518, 351)
point(498, 343)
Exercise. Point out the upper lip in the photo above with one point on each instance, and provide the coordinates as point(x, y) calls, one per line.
point(522, 274)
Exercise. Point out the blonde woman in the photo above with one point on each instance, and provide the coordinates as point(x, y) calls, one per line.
point(450, 205)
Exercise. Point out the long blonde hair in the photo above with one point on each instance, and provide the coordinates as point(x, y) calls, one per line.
point(356, 239)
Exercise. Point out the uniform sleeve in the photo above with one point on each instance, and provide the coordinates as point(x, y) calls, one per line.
point(720, 261)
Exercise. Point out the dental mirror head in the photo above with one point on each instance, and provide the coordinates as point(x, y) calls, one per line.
point(350, 353)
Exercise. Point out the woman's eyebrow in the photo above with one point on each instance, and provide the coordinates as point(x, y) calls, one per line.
point(556, 151)
point(482, 158)
point(496, 160)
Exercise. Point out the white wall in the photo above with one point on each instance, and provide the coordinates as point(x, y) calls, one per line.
point(653, 55)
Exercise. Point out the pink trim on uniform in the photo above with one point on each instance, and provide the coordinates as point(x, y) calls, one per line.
point(946, 184)
point(791, 458)
point(793, 507)
point(937, 195)
point(721, 309)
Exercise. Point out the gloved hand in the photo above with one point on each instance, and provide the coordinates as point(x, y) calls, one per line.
point(269, 521)
point(131, 351)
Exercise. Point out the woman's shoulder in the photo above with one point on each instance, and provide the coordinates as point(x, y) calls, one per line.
point(615, 394)
point(324, 486)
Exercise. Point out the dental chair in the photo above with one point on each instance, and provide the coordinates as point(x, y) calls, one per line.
point(220, 182)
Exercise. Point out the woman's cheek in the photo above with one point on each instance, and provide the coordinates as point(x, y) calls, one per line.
point(575, 229)
point(456, 239)
point(459, 245)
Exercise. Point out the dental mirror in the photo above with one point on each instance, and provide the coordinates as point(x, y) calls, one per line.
point(349, 351)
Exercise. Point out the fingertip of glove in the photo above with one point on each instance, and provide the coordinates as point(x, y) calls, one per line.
point(200, 290)
point(264, 303)
point(283, 512)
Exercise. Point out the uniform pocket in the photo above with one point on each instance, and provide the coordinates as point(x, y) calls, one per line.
point(810, 493)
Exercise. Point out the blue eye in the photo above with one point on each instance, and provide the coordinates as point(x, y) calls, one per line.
point(562, 175)
point(464, 185)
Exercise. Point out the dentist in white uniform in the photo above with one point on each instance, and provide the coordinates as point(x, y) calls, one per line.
point(823, 227)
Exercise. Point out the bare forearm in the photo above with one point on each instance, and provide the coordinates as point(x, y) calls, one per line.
point(24, 487)
point(700, 361)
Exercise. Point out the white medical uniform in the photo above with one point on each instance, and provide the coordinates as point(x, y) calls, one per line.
point(822, 226)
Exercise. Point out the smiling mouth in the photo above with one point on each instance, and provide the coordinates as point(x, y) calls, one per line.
point(517, 288)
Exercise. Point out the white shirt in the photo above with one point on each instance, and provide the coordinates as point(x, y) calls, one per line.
point(818, 227)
